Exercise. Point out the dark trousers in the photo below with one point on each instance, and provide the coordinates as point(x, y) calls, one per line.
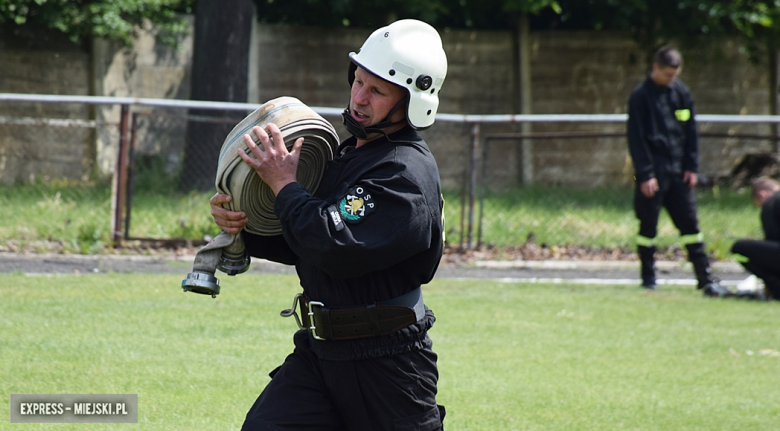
point(678, 199)
point(395, 392)
point(762, 258)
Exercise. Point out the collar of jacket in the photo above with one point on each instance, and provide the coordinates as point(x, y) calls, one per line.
point(652, 86)
point(406, 134)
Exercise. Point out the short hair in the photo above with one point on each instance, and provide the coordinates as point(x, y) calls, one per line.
point(668, 56)
point(764, 184)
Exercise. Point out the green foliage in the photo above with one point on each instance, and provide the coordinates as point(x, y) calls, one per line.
point(91, 238)
point(654, 22)
point(149, 172)
point(376, 13)
point(108, 19)
point(651, 21)
point(530, 6)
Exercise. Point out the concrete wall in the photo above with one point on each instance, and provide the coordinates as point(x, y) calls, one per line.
point(724, 81)
point(46, 62)
point(595, 72)
point(572, 72)
point(43, 62)
point(582, 73)
point(151, 70)
point(311, 64)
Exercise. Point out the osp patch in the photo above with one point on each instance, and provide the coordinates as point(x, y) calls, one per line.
point(352, 208)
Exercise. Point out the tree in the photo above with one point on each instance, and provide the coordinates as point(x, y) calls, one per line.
point(107, 19)
point(491, 14)
point(654, 22)
point(220, 68)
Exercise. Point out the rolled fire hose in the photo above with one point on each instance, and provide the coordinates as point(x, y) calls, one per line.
point(250, 194)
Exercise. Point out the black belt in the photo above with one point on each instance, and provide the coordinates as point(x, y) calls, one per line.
point(373, 320)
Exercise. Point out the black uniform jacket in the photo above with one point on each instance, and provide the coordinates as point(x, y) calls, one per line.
point(371, 232)
point(662, 135)
point(770, 218)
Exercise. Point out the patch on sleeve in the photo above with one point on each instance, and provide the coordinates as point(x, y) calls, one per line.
point(355, 205)
point(335, 217)
point(683, 114)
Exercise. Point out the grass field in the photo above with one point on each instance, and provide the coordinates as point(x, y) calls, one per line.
point(75, 218)
point(512, 356)
point(604, 217)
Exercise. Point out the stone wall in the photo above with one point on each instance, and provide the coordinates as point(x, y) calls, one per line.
point(572, 72)
point(46, 63)
point(148, 70)
point(595, 72)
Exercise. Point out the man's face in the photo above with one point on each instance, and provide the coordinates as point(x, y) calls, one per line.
point(372, 98)
point(761, 197)
point(664, 75)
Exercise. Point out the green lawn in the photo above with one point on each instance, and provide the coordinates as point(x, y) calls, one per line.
point(75, 218)
point(600, 217)
point(512, 356)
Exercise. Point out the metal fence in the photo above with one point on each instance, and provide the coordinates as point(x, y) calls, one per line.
point(489, 163)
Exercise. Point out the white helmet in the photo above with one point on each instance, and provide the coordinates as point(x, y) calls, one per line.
point(407, 53)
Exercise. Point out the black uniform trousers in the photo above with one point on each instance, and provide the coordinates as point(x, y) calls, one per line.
point(678, 199)
point(396, 392)
point(761, 258)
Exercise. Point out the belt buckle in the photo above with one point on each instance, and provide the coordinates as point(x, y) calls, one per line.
point(292, 311)
point(313, 328)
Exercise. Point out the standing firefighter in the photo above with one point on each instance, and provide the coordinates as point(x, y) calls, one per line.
point(664, 145)
point(362, 246)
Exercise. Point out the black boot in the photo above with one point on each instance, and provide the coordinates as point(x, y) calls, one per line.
point(646, 257)
point(772, 288)
point(707, 283)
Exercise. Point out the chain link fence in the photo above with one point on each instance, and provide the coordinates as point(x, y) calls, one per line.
point(580, 204)
point(50, 196)
point(516, 187)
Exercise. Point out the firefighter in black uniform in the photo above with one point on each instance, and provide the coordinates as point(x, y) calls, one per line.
point(663, 142)
point(362, 246)
point(762, 258)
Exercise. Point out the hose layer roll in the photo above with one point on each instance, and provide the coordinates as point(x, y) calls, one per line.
point(250, 194)
point(237, 179)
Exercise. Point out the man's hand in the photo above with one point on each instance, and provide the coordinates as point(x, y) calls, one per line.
point(649, 187)
point(274, 164)
point(690, 178)
point(229, 221)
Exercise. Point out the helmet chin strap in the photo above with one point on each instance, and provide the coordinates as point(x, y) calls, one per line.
point(357, 130)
